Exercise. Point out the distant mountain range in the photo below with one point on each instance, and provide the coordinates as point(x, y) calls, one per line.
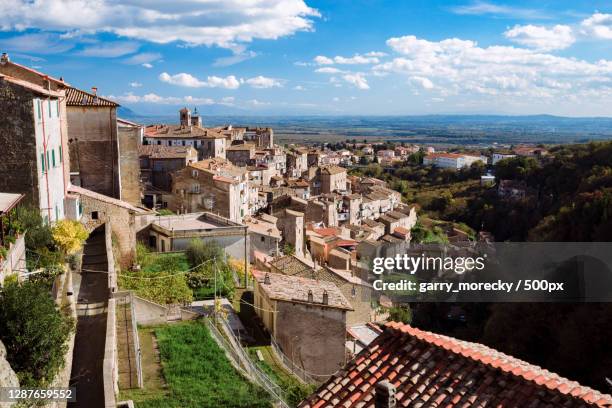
point(434, 129)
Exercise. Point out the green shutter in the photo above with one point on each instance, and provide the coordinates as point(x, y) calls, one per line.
point(48, 162)
point(61, 157)
point(42, 162)
point(53, 157)
point(49, 103)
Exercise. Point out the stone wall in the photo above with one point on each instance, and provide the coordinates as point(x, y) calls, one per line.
point(8, 378)
point(122, 220)
point(313, 337)
point(94, 150)
point(18, 166)
point(129, 166)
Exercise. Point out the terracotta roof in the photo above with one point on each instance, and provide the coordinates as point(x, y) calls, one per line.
point(327, 231)
point(333, 169)
point(166, 152)
point(40, 74)
point(431, 370)
point(295, 289)
point(77, 97)
point(290, 265)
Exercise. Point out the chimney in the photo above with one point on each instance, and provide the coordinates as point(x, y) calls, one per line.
point(325, 298)
point(4, 59)
point(384, 395)
point(267, 279)
point(310, 296)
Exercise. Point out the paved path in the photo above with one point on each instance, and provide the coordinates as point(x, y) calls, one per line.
point(92, 301)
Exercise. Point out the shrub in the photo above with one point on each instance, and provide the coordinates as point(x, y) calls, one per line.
point(199, 252)
point(33, 331)
point(69, 236)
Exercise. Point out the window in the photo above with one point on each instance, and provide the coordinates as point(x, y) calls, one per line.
point(39, 108)
point(183, 143)
point(49, 106)
point(48, 162)
point(53, 157)
point(194, 173)
point(163, 245)
point(159, 142)
point(61, 157)
point(42, 162)
point(56, 212)
point(57, 107)
point(94, 215)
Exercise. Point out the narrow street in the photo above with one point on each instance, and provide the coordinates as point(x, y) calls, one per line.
point(92, 301)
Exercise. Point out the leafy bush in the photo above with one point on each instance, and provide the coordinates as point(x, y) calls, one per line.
point(199, 252)
point(33, 331)
point(69, 236)
point(401, 313)
point(159, 279)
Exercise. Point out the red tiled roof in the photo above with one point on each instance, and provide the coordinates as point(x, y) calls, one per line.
point(78, 97)
point(327, 232)
point(431, 370)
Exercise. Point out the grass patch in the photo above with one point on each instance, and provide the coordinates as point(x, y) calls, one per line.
point(293, 389)
point(198, 374)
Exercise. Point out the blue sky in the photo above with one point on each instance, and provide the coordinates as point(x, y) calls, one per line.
point(324, 57)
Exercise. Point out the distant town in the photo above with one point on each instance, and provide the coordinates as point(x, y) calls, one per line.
point(220, 247)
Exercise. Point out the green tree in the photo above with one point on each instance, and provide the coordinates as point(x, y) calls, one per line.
point(34, 332)
point(401, 313)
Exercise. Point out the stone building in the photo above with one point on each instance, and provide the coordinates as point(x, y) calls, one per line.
point(129, 136)
point(94, 146)
point(297, 162)
point(125, 219)
point(291, 224)
point(332, 178)
point(157, 163)
point(263, 137)
point(173, 233)
point(13, 256)
point(213, 185)
point(264, 235)
point(35, 159)
point(208, 142)
point(241, 154)
point(307, 319)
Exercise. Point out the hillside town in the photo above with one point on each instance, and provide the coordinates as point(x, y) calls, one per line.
point(296, 226)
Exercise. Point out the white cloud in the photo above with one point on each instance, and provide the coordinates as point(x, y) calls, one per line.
point(329, 70)
point(135, 84)
point(39, 43)
point(261, 82)
point(599, 25)
point(423, 82)
point(226, 24)
point(299, 88)
point(257, 103)
point(321, 60)
point(370, 58)
point(336, 99)
point(460, 67)
point(147, 65)
point(153, 98)
point(228, 82)
point(110, 49)
point(357, 80)
point(189, 81)
point(542, 38)
point(485, 8)
point(143, 58)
